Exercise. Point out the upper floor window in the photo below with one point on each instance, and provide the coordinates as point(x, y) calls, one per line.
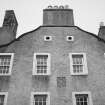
point(82, 98)
point(41, 64)
point(47, 38)
point(78, 64)
point(70, 38)
point(6, 61)
point(40, 98)
point(3, 98)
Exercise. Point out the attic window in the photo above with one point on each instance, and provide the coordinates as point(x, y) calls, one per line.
point(70, 38)
point(47, 38)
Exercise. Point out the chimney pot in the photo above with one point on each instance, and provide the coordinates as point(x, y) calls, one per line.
point(61, 7)
point(101, 24)
point(55, 7)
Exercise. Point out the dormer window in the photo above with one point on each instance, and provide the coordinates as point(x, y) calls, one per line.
point(47, 38)
point(70, 38)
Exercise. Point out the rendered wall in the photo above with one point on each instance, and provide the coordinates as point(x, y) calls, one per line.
point(21, 82)
point(6, 36)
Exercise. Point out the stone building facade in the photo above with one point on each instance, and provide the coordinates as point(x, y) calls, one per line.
point(56, 64)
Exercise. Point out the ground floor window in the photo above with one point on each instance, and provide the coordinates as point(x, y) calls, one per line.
point(3, 98)
point(40, 98)
point(82, 98)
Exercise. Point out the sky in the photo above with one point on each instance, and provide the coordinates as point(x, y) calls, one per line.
point(29, 13)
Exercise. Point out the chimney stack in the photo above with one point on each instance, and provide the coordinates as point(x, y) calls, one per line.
point(101, 32)
point(9, 28)
point(10, 21)
point(58, 16)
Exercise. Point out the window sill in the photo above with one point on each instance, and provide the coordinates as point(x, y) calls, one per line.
point(79, 74)
point(9, 74)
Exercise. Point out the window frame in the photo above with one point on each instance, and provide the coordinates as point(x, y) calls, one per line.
point(35, 64)
point(68, 39)
point(83, 92)
point(85, 69)
point(40, 93)
point(6, 96)
point(11, 63)
point(47, 39)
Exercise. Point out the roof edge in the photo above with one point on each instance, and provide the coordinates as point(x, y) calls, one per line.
point(57, 9)
point(94, 35)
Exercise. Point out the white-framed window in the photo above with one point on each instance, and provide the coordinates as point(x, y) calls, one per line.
point(3, 98)
point(41, 64)
point(69, 38)
point(47, 38)
point(6, 62)
point(40, 98)
point(82, 98)
point(78, 64)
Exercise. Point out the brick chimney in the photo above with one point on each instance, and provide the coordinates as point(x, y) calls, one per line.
point(10, 21)
point(9, 28)
point(58, 16)
point(101, 32)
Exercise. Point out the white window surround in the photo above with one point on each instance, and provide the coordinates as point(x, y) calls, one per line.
point(6, 95)
point(83, 92)
point(45, 38)
point(40, 93)
point(35, 64)
point(72, 38)
point(85, 69)
point(11, 63)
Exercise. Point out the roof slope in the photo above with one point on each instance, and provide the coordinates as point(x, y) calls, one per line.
point(94, 35)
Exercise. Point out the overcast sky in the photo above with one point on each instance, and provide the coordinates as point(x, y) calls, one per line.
point(87, 13)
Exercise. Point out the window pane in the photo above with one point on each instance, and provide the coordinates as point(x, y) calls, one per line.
point(44, 103)
point(85, 98)
point(36, 103)
point(85, 103)
point(81, 102)
point(40, 103)
point(81, 99)
point(77, 103)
